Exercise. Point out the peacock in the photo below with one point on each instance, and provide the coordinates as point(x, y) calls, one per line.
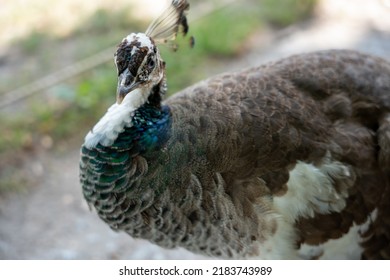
point(252, 164)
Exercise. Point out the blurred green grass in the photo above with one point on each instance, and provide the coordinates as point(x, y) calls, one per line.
point(283, 13)
point(79, 102)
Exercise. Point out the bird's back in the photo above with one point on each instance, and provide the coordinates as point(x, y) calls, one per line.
point(290, 108)
point(259, 122)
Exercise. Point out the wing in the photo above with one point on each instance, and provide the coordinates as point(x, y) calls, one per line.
point(296, 139)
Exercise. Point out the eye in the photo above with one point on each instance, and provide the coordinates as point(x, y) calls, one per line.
point(151, 63)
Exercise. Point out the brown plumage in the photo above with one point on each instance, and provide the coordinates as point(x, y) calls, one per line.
point(297, 109)
point(250, 164)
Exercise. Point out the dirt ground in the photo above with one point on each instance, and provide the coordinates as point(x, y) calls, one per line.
point(52, 221)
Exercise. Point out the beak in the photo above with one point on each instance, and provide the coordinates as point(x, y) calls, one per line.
point(126, 84)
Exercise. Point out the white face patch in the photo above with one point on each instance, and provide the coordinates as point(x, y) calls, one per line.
point(117, 117)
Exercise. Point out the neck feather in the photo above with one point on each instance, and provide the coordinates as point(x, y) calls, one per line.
point(120, 116)
point(117, 117)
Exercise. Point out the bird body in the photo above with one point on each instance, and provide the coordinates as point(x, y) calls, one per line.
point(250, 164)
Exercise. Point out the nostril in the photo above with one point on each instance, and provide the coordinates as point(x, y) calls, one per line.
point(128, 80)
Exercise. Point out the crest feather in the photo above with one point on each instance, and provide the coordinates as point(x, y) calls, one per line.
point(167, 25)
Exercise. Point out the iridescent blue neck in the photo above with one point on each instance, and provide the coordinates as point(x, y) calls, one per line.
point(149, 125)
point(152, 126)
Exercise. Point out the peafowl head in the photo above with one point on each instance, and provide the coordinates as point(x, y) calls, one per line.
point(141, 73)
point(139, 64)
